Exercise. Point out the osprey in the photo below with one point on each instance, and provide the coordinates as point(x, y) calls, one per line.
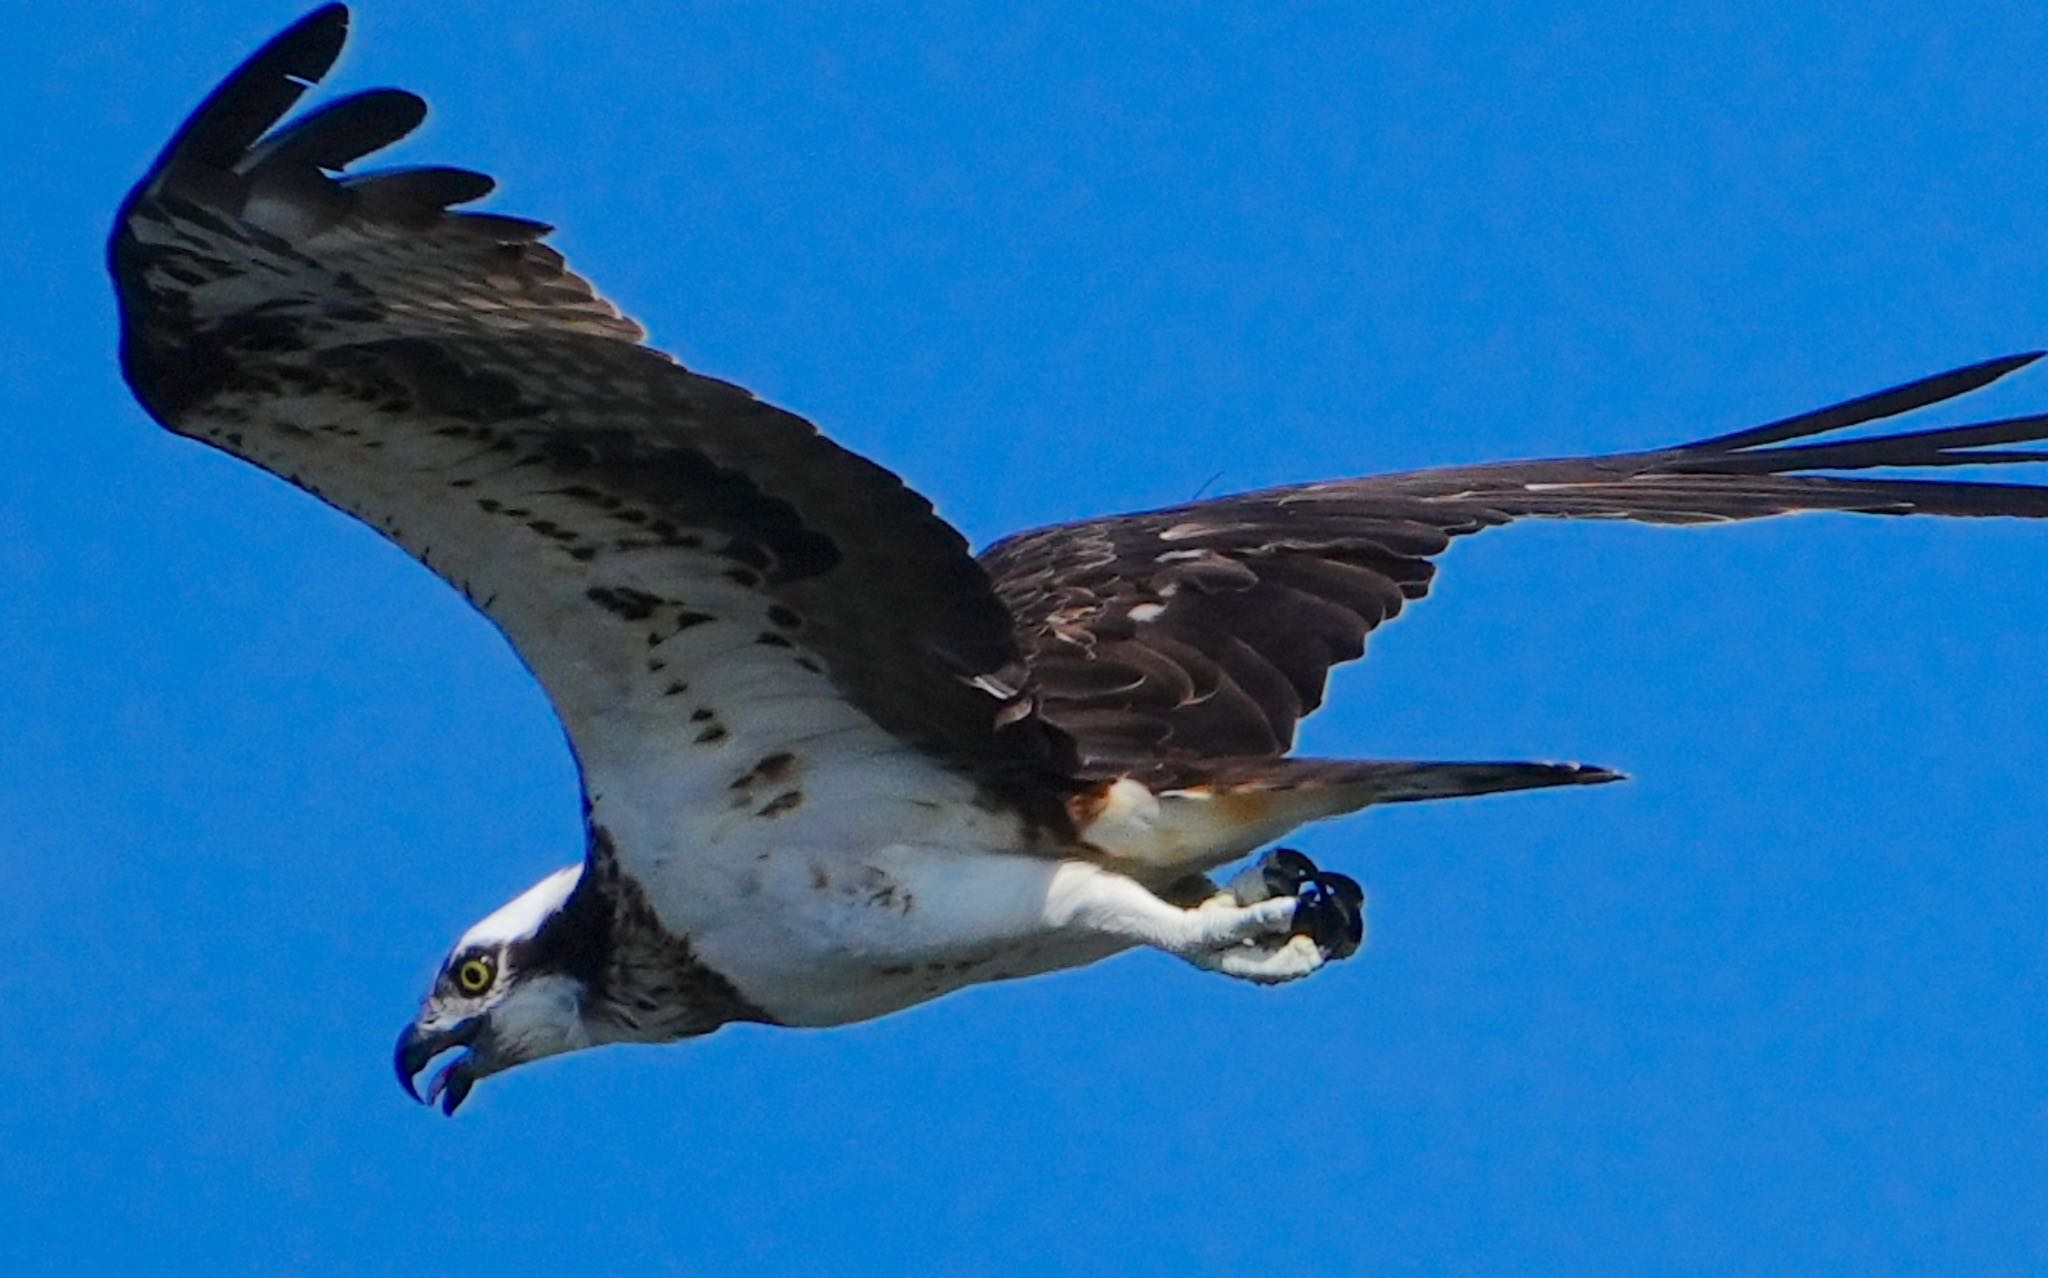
point(834, 764)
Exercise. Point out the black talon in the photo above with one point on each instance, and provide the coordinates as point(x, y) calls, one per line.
point(1284, 870)
point(1329, 908)
point(1330, 912)
point(1278, 873)
point(1345, 886)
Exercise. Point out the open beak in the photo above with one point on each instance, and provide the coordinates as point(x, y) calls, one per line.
point(416, 1050)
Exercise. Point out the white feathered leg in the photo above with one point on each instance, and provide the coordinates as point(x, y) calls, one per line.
point(1267, 941)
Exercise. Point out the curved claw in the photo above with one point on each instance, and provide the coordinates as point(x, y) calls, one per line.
point(1344, 886)
point(1284, 870)
point(1329, 910)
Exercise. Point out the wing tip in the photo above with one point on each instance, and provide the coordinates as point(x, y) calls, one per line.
point(259, 91)
point(243, 138)
point(333, 136)
point(1893, 401)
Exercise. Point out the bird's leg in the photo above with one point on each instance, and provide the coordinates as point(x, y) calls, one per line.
point(1302, 919)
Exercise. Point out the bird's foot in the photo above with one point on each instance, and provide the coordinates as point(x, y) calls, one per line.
point(1289, 917)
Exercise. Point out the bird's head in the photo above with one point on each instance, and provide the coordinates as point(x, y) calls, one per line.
point(512, 990)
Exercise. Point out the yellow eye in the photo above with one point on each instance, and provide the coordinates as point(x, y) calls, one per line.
point(475, 975)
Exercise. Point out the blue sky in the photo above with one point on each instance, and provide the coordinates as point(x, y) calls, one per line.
point(1776, 1006)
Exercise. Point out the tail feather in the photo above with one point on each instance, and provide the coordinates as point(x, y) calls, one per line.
point(1402, 782)
point(1244, 804)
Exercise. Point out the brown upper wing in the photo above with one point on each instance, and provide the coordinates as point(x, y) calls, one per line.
point(1207, 632)
point(445, 378)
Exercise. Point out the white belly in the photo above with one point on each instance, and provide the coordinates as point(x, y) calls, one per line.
point(833, 937)
point(887, 885)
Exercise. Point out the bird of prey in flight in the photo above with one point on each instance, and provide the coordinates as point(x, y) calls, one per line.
point(835, 764)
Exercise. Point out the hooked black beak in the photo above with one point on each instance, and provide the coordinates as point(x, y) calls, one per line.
point(417, 1048)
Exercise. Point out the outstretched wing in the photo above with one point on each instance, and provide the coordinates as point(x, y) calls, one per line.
point(1205, 632)
point(672, 557)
